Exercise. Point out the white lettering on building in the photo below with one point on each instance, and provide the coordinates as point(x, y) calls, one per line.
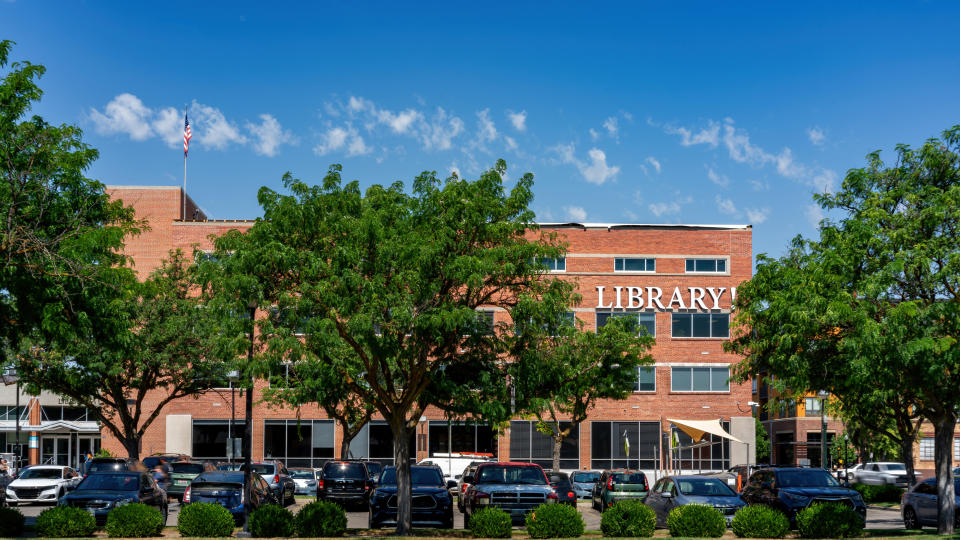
point(697, 296)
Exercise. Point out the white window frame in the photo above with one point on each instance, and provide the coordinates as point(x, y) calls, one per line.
point(652, 368)
point(927, 449)
point(555, 260)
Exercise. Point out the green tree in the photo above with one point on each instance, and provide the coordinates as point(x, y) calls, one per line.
point(167, 350)
point(762, 442)
point(60, 235)
point(883, 422)
point(876, 299)
point(398, 280)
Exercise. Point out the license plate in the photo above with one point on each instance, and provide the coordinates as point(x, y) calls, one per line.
point(180, 482)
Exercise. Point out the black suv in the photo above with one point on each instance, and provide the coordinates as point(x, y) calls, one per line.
point(111, 464)
point(791, 489)
point(345, 482)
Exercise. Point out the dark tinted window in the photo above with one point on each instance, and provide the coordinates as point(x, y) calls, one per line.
point(40, 474)
point(704, 487)
point(106, 466)
point(422, 476)
point(510, 474)
point(187, 468)
point(110, 482)
point(585, 477)
point(805, 478)
point(355, 471)
point(627, 478)
point(373, 467)
point(262, 468)
point(232, 477)
point(302, 474)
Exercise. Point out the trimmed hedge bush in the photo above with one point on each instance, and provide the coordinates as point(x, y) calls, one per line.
point(320, 518)
point(696, 520)
point(829, 520)
point(134, 520)
point(884, 493)
point(760, 521)
point(554, 521)
point(204, 519)
point(490, 522)
point(271, 521)
point(65, 522)
point(11, 522)
point(628, 519)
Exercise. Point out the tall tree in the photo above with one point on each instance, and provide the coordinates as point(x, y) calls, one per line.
point(876, 299)
point(882, 419)
point(167, 350)
point(60, 235)
point(399, 279)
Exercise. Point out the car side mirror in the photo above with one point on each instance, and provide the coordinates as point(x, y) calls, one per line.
point(451, 484)
point(666, 495)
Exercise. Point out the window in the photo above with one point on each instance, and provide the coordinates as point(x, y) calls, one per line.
point(700, 379)
point(375, 442)
point(484, 323)
point(707, 265)
point(69, 414)
point(711, 453)
point(553, 264)
point(634, 265)
point(956, 448)
point(646, 379)
point(210, 438)
point(460, 437)
point(701, 325)
point(926, 448)
point(812, 406)
point(307, 443)
point(624, 445)
point(528, 444)
point(645, 321)
point(10, 412)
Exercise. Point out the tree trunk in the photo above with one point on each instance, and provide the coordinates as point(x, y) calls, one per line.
point(943, 455)
point(557, 443)
point(401, 458)
point(906, 453)
point(348, 436)
point(132, 446)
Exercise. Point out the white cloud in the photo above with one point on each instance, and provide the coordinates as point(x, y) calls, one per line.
point(125, 114)
point(212, 128)
point(400, 122)
point(337, 138)
point(653, 161)
point(269, 135)
point(576, 213)
point(455, 171)
point(661, 208)
point(441, 130)
point(725, 206)
point(168, 125)
point(825, 181)
point(610, 124)
point(718, 179)
point(593, 134)
point(816, 135)
point(519, 120)
point(487, 131)
point(709, 135)
point(596, 171)
point(511, 144)
point(759, 185)
point(814, 214)
point(757, 216)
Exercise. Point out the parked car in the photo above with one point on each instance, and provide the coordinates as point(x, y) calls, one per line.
point(112, 464)
point(452, 464)
point(617, 485)
point(560, 482)
point(305, 480)
point(672, 491)
point(791, 489)
point(374, 469)
point(882, 473)
point(918, 506)
point(432, 503)
point(101, 492)
point(517, 488)
point(226, 489)
point(41, 484)
point(463, 485)
point(182, 473)
point(849, 472)
point(737, 476)
point(277, 476)
point(583, 482)
point(227, 466)
point(346, 482)
point(153, 460)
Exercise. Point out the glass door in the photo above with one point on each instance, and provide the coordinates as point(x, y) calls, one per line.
point(55, 450)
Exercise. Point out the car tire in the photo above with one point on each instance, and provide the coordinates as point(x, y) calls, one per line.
point(449, 523)
point(290, 500)
point(910, 521)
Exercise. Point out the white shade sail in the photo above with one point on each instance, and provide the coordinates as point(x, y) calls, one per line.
point(696, 429)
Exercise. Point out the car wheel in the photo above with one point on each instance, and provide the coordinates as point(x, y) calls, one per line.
point(289, 500)
point(910, 519)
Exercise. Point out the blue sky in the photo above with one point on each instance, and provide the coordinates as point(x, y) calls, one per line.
point(637, 112)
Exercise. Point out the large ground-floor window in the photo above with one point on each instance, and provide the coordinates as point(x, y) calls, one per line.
point(712, 453)
point(210, 438)
point(461, 437)
point(375, 442)
point(298, 443)
point(624, 445)
point(528, 444)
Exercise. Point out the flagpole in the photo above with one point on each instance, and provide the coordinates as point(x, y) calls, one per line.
point(184, 206)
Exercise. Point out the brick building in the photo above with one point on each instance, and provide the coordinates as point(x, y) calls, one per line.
point(678, 280)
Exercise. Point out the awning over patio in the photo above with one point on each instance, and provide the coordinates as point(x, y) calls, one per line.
point(696, 429)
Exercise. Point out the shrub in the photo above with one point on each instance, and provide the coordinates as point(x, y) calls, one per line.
point(628, 518)
point(760, 522)
point(271, 521)
point(884, 493)
point(11, 522)
point(490, 522)
point(320, 518)
point(134, 520)
point(696, 520)
point(554, 521)
point(204, 519)
point(829, 520)
point(64, 522)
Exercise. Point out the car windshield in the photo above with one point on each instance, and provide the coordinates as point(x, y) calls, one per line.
point(308, 475)
point(344, 470)
point(627, 478)
point(704, 487)
point(110, 482)
point(896, 467)
point(585, 477)
point(511, 474)
point(41, 474)
point(805, 478)
point(422, 476)
point(187, 468)
point(105, 466)
point(372, 467)
point(261, 468)
point(229, 466)
point(230, 477)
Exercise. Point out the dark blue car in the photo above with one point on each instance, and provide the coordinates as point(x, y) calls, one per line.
point(791, 489)
point(432, 503)
point(226, 489)
point(100, 493)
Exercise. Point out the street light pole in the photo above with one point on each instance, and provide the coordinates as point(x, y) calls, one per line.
point(248, 433)
point(231, 447)
point(823, 429)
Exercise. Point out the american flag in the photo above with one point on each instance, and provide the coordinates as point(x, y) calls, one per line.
point(186, 134)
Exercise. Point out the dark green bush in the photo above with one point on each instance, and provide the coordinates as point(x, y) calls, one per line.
point(696, 520)
point(134, 520)
point(760, 521)
point(65, 522)
point(884, 493)
point(490, 522)
point(829, 520)
point(554, 521)
point(271, 521)
point(11, 522)
point(320, 518)
point(628, 519)
point(204, 519)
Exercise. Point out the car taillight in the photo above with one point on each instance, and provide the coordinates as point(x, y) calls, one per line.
point(645, 486)
point(186, 495)
point(320, 483)
point(482, 498)
point(610, 484)
point(366, 486)
point(463, 488)
point(571, 494)
point(276, 479)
